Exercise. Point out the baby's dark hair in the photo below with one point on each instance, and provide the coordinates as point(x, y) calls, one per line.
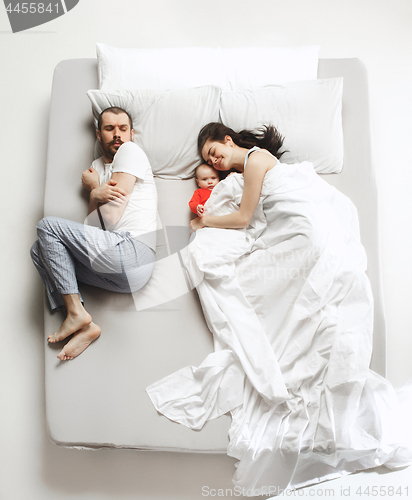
point(266, 137)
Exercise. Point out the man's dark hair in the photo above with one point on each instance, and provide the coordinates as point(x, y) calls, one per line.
point(117, 111)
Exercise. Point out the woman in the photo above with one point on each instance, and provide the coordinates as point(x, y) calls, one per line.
point(224, 149)
point(280, 272)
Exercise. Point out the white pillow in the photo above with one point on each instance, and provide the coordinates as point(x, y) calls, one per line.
point(134, 69)
point(307, 114)
point(166, 123)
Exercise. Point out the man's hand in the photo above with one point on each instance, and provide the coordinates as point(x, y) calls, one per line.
point(108, 192)
point(90, 179)
point(200, 209)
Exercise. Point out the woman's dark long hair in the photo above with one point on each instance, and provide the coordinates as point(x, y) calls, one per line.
point(266, 137)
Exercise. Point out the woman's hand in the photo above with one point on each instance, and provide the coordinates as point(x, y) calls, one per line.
point(197, 223)
point(90, 179)
point(109, 193)
point(200, 209)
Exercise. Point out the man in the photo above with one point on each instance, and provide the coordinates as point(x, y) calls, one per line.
point(118, 256)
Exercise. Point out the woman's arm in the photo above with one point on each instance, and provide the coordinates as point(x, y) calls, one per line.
point(257, 166)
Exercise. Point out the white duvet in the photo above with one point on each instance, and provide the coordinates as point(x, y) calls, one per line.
point(291, 312)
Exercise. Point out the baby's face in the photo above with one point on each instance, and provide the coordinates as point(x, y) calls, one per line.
point(206, 177)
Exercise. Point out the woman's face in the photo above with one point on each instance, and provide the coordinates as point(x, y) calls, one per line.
point(218, 154)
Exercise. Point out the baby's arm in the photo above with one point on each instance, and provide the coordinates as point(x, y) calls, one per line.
point(200, 209)
point(194, 202)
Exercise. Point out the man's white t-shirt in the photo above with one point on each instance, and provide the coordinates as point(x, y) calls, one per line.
point(139, 217)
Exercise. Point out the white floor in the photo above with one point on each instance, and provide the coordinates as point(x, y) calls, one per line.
point(377, 31)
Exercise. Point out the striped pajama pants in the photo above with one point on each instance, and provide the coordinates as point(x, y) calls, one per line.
point(68, 252)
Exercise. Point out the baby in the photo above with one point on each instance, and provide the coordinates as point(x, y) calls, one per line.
point(207, 178)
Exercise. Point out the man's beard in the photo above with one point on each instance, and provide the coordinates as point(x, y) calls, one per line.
point(111, 148)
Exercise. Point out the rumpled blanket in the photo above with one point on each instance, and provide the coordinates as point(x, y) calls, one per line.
point(291, 312)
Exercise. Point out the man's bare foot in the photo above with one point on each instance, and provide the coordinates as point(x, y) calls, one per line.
point(79, 342)
point(70, 325)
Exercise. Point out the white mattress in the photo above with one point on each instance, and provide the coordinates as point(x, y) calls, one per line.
point(99, 400)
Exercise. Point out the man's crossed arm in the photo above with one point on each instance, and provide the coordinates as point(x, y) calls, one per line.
point(110, 197)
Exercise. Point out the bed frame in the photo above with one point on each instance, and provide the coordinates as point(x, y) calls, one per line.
point(98, 400)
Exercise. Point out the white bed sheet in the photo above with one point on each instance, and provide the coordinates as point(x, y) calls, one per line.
point(291, 311)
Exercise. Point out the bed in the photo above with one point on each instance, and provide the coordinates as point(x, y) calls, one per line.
point(99, 400)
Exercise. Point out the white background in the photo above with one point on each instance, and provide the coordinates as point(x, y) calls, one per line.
point(379, 32)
